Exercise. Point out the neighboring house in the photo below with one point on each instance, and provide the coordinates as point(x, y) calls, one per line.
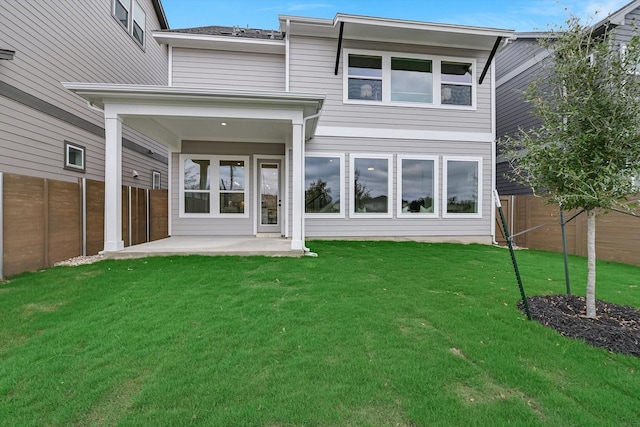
point(352, 127)
point(48, 132)
point(518, 65)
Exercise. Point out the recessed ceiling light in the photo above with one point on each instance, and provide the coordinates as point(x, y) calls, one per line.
point(370, 169)
point(223, 123)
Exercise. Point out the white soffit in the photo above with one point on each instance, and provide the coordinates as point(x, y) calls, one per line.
point(204, 41)
point(397, 31)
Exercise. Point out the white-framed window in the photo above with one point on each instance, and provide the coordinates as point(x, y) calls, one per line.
point(324, 185)
point(462, 187)
point(406, 79)
point(417, 186)
point(214, 186)
point(74, 157)
point(370, 185)
point(156, 180)
point(131, 16)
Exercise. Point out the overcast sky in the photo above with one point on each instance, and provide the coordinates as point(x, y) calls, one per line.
point(519, 15)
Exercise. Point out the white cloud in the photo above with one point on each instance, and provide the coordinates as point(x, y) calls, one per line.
point(296, 7)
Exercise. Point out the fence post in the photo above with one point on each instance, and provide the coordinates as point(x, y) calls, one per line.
point(1, 227)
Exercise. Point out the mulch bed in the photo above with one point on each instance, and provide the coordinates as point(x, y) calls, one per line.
point(616, 328)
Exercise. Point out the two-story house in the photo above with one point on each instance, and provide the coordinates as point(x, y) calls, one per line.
point(352, 127)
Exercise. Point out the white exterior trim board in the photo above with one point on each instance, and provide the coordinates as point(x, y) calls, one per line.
point(387, 133)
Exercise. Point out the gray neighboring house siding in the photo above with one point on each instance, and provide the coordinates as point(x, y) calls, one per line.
point(515, 70)
point(73, 41)
point(513, 76)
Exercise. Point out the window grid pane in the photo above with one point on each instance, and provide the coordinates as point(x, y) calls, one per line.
point(197, 174)
point(417, 186)
point(322, 185)
point(462, 186)
point(371, 185)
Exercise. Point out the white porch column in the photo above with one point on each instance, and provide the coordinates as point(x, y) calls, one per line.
point(113, 184)
point(297, 202)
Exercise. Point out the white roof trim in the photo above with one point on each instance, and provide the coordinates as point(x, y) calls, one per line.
point(618, 17)
point(206, 41)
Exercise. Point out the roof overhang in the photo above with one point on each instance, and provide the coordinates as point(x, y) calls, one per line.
point(171, 114)
point(396, 31)
point(204, 41)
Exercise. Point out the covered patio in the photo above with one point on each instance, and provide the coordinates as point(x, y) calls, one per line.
point(271, 246)
point(219, 127)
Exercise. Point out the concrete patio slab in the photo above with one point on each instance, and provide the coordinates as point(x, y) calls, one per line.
point(211, 246)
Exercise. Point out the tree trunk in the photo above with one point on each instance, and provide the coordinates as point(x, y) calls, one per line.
point(591, 263)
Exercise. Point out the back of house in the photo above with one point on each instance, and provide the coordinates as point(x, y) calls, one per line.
point(400, 143)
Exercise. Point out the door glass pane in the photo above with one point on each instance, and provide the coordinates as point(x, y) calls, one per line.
point(269, 194)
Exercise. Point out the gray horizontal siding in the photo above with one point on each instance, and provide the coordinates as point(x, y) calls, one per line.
point(38, 151)
point(625, 32)
point(505, 185)
point(312, 71)
point(219, 69)
point(512, 111)
point(515, 54)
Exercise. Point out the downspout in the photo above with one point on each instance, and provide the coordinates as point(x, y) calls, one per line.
point(307, 251)
point(286, 55)
point(493, 149)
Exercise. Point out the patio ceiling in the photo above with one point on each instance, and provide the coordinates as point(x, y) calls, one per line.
point(171, 114)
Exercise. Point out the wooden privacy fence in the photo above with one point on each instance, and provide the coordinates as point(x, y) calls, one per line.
point(44, 221)
point(617, 234)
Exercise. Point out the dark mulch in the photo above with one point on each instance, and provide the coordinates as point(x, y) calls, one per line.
point(616, 328)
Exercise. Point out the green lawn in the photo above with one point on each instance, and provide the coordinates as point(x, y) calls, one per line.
point(367, 334)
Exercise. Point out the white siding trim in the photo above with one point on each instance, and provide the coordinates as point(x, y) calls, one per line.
point(343, 199)
point(493, 146)
point(445, 196)
point(389, 159)
point(522, 68)
point(170, 67)
point(436, 192)
point(287, 57)
point(356, 132)
point(170, 191)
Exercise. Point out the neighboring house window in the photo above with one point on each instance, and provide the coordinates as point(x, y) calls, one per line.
point(323, 185)
point(132, 18)
point(371, 183)
point(417, 184)
point(156, 180)
point(462, 186)
point(74, 157)
point(408, 79)
point(201, 196)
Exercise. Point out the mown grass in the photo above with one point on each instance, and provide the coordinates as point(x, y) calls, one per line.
point(367, 334)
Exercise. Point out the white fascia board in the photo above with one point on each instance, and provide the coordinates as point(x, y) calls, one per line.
point(205, 41)
point(618, 17)
point(354, 132)
point(425, 26)
point(522, 68)
point(96, 93)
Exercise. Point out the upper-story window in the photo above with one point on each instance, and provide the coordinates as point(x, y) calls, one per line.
point(409, 79)
point(132, 18)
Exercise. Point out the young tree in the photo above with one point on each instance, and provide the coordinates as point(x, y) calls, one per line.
point(587, 150)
